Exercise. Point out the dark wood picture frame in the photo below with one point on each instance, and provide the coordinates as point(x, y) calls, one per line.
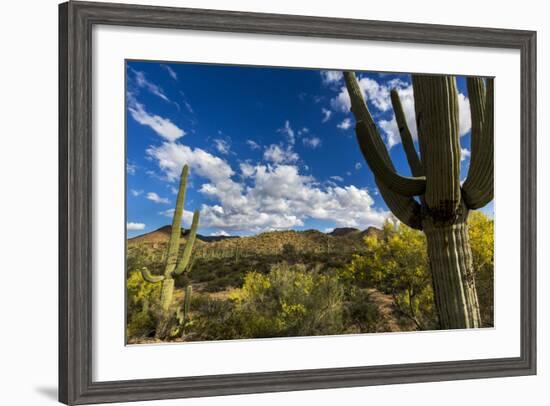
point(76, 20)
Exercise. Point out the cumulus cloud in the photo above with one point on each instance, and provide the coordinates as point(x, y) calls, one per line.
point(220, 233)
point(464, 118)
point(162, 126)
point(337, 178)
point(391, 131)
point(135, 226)
point(156, 198)
point(282, 198)
point(277, 154)
point(312, 142)
point(272, 196)
point(136, 193)
point(378, 96)
point(331, 77)
point(376, 93)
point(345, 124)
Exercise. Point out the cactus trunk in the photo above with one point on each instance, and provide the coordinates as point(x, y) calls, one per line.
point(452, 272)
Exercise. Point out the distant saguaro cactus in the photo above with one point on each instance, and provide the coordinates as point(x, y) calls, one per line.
point(442, 208)
point(174, 266)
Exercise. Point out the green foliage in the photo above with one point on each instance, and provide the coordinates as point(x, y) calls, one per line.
point(481, 233)
point(142, 297)
point(361, 315)
point(289, 301)
point(397, 264)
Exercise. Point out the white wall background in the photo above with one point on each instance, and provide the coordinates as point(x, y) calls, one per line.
point(28, 201)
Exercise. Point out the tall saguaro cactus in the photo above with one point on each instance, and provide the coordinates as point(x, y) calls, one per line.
point(442, 205)
point(174, 265)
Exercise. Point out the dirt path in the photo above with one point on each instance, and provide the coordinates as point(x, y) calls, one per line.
point(387, 312)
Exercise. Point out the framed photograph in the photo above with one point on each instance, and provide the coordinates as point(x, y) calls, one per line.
point(258, 203)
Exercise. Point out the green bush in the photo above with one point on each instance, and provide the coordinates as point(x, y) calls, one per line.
point(289, 301)
point(361, 315)
point(142, 298)
point(482, 241)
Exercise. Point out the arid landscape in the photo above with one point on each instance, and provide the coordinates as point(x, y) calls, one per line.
point(367, 292)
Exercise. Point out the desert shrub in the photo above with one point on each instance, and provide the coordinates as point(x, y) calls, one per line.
point(289, 251)
point(289, 301)
point(142, 298)
point(215, 319)
point(361, 315)
point(396, 263)
point(481, 233)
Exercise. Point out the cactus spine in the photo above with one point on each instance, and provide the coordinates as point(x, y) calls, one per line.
point(174, 265)
point(443, 205)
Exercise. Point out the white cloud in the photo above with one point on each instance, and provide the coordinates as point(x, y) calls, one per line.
point(281, 198)
point(464, 153)
point(326, 114)
point(391, 131)
point(374, 92)
point(464, 118)
point(220, 233)
point(378, 94)
point(136, 193)
point(345, 124)
point(170, 71)
point(275, 196)
point(156, 198)
point(358, 165)
point(162, 126)
point(142, 81)
point(247, 170)
point(130, 168)
point(337, 178)
point(312, 142)
point(252, 144)
point(277, 155)
point(288, 132)
point(222, 146)
point(134, 226)
point(331, 77)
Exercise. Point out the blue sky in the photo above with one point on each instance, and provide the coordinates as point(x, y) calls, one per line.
point(268, 148)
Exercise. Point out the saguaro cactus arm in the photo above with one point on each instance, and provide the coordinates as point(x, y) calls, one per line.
point(406, 138)
point(478, 187)
point(186, 256)
point(477, 99)
point(373, 147)
point(403, 185)
point(149, 277)
point(406, 209)
point(174, 243)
